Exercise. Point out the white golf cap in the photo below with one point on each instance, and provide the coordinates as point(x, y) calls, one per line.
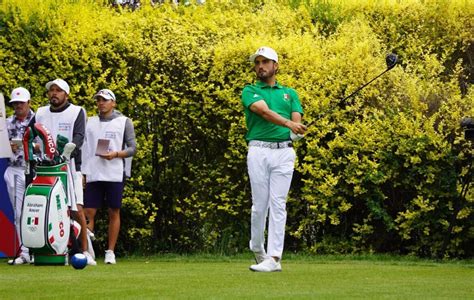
point(106, 94)
point(266, 52)
point(60, 83)
point(20, 94)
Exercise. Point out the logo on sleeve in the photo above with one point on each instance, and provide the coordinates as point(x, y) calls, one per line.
point(286, 97)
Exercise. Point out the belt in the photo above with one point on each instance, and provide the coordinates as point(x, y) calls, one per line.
point(271, 145)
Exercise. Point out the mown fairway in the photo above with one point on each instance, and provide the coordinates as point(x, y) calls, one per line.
point(199, 277)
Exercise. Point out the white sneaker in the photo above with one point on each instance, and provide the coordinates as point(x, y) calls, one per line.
point(90, 259)
point(268, 265)
point(20, 260)
point(260, 256)
point(109, 257)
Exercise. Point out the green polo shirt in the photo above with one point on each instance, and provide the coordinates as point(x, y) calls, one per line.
point(280, 99)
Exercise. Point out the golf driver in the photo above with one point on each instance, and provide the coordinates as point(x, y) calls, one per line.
point(391, 60)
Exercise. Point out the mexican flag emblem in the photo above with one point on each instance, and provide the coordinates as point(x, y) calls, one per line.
point(32, 221)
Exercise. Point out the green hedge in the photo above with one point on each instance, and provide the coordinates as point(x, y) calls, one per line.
point(383, 173)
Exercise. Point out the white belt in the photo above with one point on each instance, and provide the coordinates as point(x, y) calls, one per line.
point(271, 145)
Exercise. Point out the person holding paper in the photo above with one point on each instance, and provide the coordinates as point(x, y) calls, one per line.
point(107, 152)
point(15, 173)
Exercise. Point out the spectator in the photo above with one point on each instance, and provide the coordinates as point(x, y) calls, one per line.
point(133, 4)
point(176, 2)
point(15, 173)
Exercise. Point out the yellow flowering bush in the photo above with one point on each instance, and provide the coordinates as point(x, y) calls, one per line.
point(386, 171)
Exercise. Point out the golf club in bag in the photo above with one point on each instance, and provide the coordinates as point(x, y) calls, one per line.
point(45, 219)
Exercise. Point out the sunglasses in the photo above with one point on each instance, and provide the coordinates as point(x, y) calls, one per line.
point(106, 93)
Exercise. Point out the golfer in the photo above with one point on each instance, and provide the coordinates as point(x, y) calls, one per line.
point(109, 147)
point(272, 111)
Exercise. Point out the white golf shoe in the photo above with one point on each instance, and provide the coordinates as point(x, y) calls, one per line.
point(90, 259)
point(268, 265)
point(109, 257)
point(20, 260)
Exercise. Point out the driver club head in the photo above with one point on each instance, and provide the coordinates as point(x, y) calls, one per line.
point(391, 60)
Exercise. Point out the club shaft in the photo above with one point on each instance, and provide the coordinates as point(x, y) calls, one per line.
point(363, 86)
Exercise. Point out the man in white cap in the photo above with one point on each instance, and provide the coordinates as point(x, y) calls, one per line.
point(107, 152)
point(15, 173)
point(67, 120)
point(273, 115)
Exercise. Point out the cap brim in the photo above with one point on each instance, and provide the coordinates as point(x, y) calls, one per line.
point(49, 84)
point(17, 100)
point(105, 97)
point(58, 84)
point(254, 56)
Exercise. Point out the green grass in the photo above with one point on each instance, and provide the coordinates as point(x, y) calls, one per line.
point(215, 277)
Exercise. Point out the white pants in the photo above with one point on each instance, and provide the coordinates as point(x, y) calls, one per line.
point(15, 180)
point(270, 172)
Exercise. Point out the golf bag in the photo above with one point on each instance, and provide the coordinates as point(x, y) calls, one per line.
point(45, 220)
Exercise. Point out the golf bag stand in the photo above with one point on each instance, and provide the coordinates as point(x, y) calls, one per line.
point(45, 219)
